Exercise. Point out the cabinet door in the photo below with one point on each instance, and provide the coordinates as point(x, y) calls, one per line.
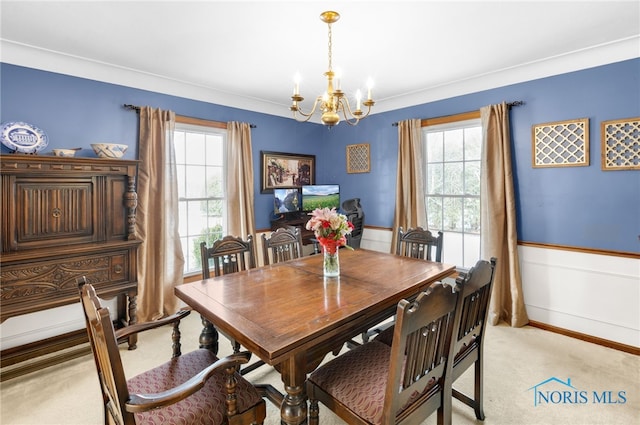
point(50, 212)
point(117, 220)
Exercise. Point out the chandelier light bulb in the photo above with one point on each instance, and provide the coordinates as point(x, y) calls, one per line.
point(338, 77)
point(296, 84)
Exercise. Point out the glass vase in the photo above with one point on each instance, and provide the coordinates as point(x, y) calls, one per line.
point(331, 263)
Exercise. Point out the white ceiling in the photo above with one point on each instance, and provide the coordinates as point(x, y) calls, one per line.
point(246, 53)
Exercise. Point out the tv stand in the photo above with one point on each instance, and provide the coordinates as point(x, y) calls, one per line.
point(299, 220)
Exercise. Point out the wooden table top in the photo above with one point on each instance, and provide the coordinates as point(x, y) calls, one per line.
point(284, 309)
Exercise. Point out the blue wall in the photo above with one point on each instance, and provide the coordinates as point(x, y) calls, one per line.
point(575, 206)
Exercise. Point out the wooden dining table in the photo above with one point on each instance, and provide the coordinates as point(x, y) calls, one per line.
point(290, 316)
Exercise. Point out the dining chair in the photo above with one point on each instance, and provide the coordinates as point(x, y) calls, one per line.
point(403, 383)
point(419, 243)
point(469, 340)
point(282, 245)
point(194, 388)
point(475, 287)
point(230, 254)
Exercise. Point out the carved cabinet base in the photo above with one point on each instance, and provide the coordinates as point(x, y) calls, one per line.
point(63, 218)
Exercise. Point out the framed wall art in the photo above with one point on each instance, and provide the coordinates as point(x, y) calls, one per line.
point(358, 159)
point(620, 144)
point(286, 170)
point(561, 144)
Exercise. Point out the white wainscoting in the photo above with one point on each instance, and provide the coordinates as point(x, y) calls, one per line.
point(596, 295)
point(376, 239)
point(31, 327)
point(593, 294)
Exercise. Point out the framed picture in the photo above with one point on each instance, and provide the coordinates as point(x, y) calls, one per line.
point(358, 160)
point(286, 170)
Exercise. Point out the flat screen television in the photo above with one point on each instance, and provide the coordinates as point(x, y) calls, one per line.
point(286, 201)
point(320, 196)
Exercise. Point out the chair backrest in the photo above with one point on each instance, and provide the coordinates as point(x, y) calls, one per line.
point(353, 210)
point(476, 294)
point(419, 243)
point(229, 255)
point(421, 355)
point(283, 244)
point(106, 354)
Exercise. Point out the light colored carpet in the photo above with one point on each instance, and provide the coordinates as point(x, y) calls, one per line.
point(516, 360)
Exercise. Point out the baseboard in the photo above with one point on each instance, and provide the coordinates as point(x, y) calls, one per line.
point(588, 338)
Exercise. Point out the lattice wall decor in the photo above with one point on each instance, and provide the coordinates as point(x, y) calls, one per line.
point(358, 160)
point(620, 141)
point(561, 144)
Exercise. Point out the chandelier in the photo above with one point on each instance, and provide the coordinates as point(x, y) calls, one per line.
point(333, 101)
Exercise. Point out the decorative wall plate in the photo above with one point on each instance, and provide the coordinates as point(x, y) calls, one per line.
point(23, 137)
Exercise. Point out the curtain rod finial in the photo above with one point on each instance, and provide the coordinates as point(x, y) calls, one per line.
point(515, 103)
point(132, 107)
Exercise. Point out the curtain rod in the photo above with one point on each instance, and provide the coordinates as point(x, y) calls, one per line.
point(509, 105)
point(137, 109)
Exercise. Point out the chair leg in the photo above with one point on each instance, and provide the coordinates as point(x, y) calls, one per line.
point(175, 336)
point(314, 412)
point(478, 391)
point(445, 411)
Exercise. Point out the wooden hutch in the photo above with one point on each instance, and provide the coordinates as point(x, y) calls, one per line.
point(63, 218)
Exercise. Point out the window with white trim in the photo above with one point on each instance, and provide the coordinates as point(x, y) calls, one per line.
point(200, 153)
point(452, 174)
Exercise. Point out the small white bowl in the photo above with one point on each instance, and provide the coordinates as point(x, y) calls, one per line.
point(109, 150)
point(65, 152)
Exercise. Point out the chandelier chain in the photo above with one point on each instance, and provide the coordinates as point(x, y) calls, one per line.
point(330, 46)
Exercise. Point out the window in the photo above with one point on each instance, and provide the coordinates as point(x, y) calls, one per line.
point(200, 152)
point(452, 172)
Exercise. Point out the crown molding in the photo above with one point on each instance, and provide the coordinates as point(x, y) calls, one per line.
point(47, 60)
point(52, 61)
point(591, 57)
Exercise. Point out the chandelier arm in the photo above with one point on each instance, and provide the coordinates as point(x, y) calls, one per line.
point(357, 119)
point(367, 114)
point(349, 118)
point(295, 116)
point(353, 118)
point(310, 113)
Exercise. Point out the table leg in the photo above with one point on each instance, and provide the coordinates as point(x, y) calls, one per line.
point(294, 405)
point(209, 336)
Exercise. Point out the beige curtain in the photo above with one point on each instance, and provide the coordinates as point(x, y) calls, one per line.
point(241, 220)
point(498, 217)
point(410, 207)
point(160, 258)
